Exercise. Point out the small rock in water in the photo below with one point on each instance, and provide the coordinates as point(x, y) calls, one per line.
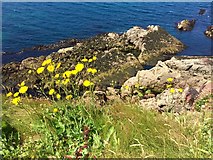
point(209, 32)
point(186, 25)
point(202, 11)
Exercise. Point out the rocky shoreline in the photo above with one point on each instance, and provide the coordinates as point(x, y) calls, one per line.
point(118, 55)
point(120, 65)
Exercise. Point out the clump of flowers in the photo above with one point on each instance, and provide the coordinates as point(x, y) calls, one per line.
point(57, 84)
point(68, 83)
point(16, 97)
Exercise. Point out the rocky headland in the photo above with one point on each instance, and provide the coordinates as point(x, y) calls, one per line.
point(117, 56)
point(121, 73)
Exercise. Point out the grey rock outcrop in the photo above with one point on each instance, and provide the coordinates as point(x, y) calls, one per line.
point(152, 42)
point(190, 80)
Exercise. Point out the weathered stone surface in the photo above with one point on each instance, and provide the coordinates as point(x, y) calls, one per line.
point(209, 32)
point(119, 57)
point(186, 25)
point(152, 42)
point(191, 82)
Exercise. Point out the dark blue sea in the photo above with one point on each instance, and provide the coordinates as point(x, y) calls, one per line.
point(25, 25)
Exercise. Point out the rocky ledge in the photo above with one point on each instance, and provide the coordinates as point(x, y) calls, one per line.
point(119, 57)
point(174, 85)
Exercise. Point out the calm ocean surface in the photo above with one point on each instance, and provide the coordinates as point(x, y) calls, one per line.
point(25, 25)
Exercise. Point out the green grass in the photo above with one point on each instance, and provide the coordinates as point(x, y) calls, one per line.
point(123, 129)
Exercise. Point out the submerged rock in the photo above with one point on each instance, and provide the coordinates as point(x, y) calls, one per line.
point(202, 12)
point(119, 57)
point(209, 32)
point(186, 25)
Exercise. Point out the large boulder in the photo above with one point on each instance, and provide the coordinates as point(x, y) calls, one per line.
point(119, 57)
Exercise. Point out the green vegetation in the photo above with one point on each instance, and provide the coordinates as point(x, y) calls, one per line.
point(38, 128)
point(66, 125)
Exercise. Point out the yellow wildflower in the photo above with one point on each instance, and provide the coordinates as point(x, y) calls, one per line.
point(89, 70)
point(137, 85)
point(58, 81)
point(84, 60)
point(23, 83)
point(9, 94)
point(68, 97)
point(94, 58)
point(67, 74)
point(40, 70)
point(79, 67)
point(57, 76)
point(51, 68)
point(126, 87)
point(29, 72)
point(58, 65)
point(58, 96)
point(180, 90)
point(46, 62)
point(172, 90)
point(23, 89)
point(55, 110)
point(51, 92)
point(74, 72)
point(16, 94)
point(94, 71)
point(65, 81)
point(16, 100)
point(169, 79)
point(90, 60)
point(87, 83)
point(168, 86)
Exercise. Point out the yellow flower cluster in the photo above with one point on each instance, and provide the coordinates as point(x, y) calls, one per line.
point(16, 100)
point(46, 62)
point(94, 58)
point(92, 70)
point(22, 90)
point(170, 79)
point(50, 66)
point(66, 81)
